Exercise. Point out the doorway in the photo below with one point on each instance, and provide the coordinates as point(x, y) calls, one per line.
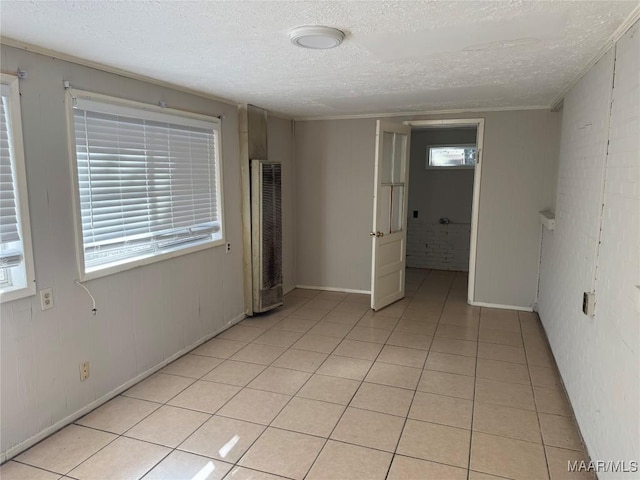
point(444, 192)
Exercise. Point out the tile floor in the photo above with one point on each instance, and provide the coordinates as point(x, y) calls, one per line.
point(324, 388)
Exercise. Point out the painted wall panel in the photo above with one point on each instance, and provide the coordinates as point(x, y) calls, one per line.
point(145, 315)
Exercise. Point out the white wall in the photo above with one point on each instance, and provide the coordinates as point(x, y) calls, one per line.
point(280, 149)
point(598, 201)
point(334, 180)
point(145, 315)
point(438, 193)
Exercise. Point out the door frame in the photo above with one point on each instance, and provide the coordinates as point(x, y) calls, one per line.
point(475, 207)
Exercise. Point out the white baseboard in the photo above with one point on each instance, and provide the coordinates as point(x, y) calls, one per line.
point(331, 289)
point(503, 307)
point(21, 447)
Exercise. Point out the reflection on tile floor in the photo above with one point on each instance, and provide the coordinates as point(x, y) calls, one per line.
point(324, 388)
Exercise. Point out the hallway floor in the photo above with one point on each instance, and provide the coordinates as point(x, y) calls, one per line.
point(324, 388)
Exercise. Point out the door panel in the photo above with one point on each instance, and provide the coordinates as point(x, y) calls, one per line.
point(389, 234)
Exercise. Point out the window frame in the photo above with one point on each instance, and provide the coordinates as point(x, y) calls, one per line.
point(21, 193)
point(428, 166)
point(70, 97)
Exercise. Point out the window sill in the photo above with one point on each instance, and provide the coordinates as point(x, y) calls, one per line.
point(122, 267)
point(18, 293)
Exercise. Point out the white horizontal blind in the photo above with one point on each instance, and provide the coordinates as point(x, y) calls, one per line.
point(10, 252)
point(146, 187)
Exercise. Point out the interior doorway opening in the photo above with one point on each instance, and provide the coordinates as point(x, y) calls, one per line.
point(444, 192)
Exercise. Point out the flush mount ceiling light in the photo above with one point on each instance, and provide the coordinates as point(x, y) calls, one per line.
point(316, 37)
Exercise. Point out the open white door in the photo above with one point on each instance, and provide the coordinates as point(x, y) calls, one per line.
point(389, 234)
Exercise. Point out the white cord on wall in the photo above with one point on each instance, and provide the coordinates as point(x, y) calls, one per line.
point(94, 310)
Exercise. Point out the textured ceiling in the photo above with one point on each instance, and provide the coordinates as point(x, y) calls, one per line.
point(397, 56)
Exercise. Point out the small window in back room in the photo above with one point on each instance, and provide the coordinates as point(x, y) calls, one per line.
point(148, 182)
point(451, 156)
point(16, 258)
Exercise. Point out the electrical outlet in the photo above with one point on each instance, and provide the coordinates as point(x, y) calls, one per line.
point(46, 298)
point(84, 371)
point(589, 303)
point(228, 248)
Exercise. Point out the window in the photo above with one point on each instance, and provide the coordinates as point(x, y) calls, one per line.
point(148, 182)
point(458, 156)
point(16, 258)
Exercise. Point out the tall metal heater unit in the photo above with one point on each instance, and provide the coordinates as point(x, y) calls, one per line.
point(266, 216)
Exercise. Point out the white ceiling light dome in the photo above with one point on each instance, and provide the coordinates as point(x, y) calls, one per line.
point(316, 37)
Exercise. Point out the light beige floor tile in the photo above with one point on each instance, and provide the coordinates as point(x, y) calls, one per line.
point(317, 343)
point(369, 429)
point(395, 309)
point(261, 354)
point(205, 396)
point(263, 321)
point(319, 303)
point(119, 414)
point(329, 389)
point(437, 443)
point(358, 349)
point(241, 473)
point(240, 333)
point(280, 380)
point(182, 466)
point(332, 296)
point(330, 329)
point(383, 399)
point(410, 340)
point(366, 334)
point(506, 422)
point(504, 371)
point(193, 366)
point(454, 346)
point(344, 367)
point(159, 387)
point(303, 360)
point(255, 406)
point(123, 458)
point(168, 426)
point(504, 353)
point(289, 454)
point(416, 326)
point(507, 457)
point(504, 393)
point(18, 471)
point(457, 332)
point(558, 431)
point(234, 373)
point(498, 319)
point(501, 337)
point(361, 306)
point(346, 317)
point(394, 375)
point(294, 325)
point(483, 476)
point(307, 313)
point(278, 338)
point(219, 348)
point(558, 460)
point(339, 460)
point(309, 416)
point(223, 438)
point(407, 357)
point(552, 400)
point(406, 468)
point(449, 384)
point(451, 411)
point(305, 293)
point(66, 449)
point(544, 377)
point(541, 357)
point(374, 320)
point(446, 362)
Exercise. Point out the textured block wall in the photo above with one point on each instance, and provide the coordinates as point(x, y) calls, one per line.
point(596, 247)
point(438, 246)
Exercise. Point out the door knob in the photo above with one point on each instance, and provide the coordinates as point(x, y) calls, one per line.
point(376, 234)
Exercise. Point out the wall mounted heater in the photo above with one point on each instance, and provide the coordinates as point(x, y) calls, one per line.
point(266, 234)
point(262, 213)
